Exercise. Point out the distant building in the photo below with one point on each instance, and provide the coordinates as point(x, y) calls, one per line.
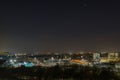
point(96, 57)
point(104, 54)
point(4, 53)
point(113, 55)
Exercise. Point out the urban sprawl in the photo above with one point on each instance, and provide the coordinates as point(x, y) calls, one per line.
point(91, 59)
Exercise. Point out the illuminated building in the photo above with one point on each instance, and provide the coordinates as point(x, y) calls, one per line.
point(96, 57)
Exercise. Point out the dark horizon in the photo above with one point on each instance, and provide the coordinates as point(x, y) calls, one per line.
point(86, 25)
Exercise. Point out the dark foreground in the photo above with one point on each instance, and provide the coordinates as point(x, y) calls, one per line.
point(73, 72)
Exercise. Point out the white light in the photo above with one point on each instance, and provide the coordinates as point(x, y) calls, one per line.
point(14, 60)
point(25, 62)
point(11, 60)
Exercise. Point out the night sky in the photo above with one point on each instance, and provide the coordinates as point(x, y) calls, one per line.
point(60, 25)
